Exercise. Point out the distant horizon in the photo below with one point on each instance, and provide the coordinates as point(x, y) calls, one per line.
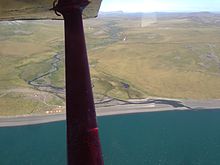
point(120, 11)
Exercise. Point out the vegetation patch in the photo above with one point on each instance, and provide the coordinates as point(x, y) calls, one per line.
point(175, 56)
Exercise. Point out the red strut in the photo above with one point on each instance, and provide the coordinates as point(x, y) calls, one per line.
point(83, 142)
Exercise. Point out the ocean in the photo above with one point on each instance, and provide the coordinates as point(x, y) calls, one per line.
point(154, 138)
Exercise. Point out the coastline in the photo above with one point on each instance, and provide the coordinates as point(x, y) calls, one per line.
point(117, 107)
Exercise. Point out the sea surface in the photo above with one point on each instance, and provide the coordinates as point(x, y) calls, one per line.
point(157, 138)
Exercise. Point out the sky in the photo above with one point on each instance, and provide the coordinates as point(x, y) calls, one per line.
point(160, 5)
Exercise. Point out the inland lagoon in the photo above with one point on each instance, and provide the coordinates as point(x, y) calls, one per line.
point(153, 138)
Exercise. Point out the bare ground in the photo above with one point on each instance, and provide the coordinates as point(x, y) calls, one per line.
point(111, 106)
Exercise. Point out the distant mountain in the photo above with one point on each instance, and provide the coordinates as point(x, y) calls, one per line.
point(119, 13)
point(111, 13)
point(203, 17)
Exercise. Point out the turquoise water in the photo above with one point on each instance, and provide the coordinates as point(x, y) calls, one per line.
point(162, 138)
point(33, 145)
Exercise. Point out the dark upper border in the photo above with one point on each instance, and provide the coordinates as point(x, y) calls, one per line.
point(39, 10)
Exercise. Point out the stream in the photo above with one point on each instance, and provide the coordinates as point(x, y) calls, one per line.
point(36, 83)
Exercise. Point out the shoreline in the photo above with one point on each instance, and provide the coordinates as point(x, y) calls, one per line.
point(117, 107)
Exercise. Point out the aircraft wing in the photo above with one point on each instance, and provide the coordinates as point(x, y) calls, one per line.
point(38, 10)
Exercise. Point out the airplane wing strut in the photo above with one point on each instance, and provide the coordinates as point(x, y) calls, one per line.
point(82, 133)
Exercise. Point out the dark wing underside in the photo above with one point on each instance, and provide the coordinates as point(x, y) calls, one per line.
point(38, 9)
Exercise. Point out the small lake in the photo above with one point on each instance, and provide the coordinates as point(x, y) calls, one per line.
point(157, 138)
